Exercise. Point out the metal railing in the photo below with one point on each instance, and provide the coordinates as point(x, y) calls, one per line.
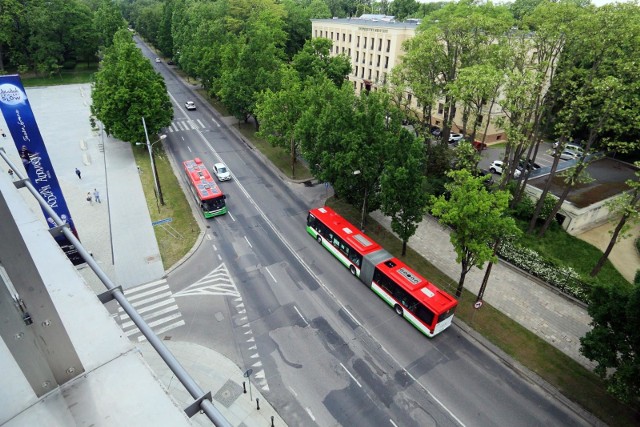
point(202, 400)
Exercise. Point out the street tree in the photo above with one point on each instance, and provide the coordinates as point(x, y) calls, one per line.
point(279, 112)
point(107, 21)
point(614, 341)
point(315, 59)
point(126, 89)
point(477, 218)
point(402, 193)
point(625, 209)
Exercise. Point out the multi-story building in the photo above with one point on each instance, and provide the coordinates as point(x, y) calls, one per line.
point(374, 44)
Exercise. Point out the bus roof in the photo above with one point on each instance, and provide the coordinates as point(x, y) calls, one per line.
point(345, 230)
point(419, 287)
point(201, 179)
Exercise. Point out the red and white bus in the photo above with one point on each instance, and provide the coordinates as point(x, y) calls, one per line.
point(412, 296)
point(204, 189)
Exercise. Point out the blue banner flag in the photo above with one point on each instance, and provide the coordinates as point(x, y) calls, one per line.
point(33, 153)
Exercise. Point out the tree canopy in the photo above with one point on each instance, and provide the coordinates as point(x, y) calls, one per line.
point(126, 89)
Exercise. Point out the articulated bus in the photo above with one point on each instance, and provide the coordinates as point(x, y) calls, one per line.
point(203, 188)
point(421, 303)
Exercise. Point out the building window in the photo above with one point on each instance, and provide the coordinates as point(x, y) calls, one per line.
point(379, 44)
point(361, 86)
point(372, 42)
point(386, 62)
point(440, 108)
point(377, 76)
point(343, 36)
point(362, 73)
point(364, 45)
point(370, 59)
point(388, 45)
point(331, 35)
point(369, 73)
point(342, 50)
point(356, 73)
point(355, 85)
point(358, 42)
point(384, 78)
point(349, 52)
point(378, 63)
point(349, 38)
point(357, 55)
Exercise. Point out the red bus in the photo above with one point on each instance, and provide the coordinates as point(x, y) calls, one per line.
point(427, 308)
point(204, 189)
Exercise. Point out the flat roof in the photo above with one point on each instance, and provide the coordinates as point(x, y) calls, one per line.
point(367, 22)
point(609, 176)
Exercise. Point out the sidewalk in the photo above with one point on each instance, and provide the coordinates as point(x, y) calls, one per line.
point(543, 311)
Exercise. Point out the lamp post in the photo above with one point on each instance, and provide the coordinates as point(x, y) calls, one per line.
point(156, 181)
point(364, 202)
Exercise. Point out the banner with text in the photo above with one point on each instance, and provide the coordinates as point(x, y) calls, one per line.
point(33, 153)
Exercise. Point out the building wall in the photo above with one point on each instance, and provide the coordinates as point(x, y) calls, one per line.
point(375, 47)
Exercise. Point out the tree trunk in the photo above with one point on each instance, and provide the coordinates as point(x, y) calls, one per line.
point(555, 210)
point(404, 247)
point(463, 274)
point(612, 242)
point(487, 272)
point(545, 191)
point(293, 157)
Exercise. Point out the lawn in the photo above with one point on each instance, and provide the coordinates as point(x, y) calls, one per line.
point(178, 237)
point(83, 73)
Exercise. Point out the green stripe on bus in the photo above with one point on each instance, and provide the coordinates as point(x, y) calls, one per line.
point(409, 318)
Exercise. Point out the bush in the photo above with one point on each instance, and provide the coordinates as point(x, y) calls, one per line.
point(564, 278)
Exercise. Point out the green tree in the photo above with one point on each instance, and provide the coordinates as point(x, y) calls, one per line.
point(11, 12)
point(107, 21)
point(403, 9)
point(625, 209)
point(315, 59)
point(402, 183)
point(279, 113)
point(477, 218)
point(126, 89)
point(614, 341)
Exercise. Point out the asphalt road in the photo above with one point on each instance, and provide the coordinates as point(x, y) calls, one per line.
point(322, 348)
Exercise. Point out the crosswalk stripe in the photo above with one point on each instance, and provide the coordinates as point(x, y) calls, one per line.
point(152, 315)
point(150, 307)
point(147, 300)
point(147, 293)
point(126, 321)
point(156, 323)
point(145, 286)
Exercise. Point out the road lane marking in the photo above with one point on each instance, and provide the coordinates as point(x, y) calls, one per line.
point(249, 243)
point(352, 377)
point(274, 279)
point(310, 414)
point(301, 316)
point(350, 315)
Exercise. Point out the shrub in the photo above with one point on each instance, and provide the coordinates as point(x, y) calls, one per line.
point(564, 278)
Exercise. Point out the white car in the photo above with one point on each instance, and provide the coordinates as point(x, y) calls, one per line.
point(498, 165)
point(569, 155)
point(222, 172)
point(454, 138)
point(190, 105)
point(158, 60)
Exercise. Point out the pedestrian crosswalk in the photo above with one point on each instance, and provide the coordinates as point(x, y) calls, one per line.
point(155, 303)
point(186, 125)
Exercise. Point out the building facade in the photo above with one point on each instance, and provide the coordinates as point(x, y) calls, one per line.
point(374, 46)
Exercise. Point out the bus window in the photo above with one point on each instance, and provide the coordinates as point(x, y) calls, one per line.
point(426, 315)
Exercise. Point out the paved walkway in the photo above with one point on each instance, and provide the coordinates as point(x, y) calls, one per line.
point(538, 308)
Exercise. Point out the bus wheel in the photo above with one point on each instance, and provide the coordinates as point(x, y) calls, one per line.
point(352, 269)
point(319, 239)
point(398, 310)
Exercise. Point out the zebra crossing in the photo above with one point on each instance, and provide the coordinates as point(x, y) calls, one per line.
point(155, 303)
point(186, 125)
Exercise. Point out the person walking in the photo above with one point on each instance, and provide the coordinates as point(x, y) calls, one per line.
point(89, 198)
point(78, 173)
point(96, 195)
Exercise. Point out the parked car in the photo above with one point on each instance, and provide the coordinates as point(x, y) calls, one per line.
point(479, 145)
point(454, 138)
point(436, 131)
point(498, 165)
point(569, 155)
point(158, 60)
point(190, 105)
point(576, 148)
point(170, 62)
point(488, 178)
point(221, 172)
point(528, 165)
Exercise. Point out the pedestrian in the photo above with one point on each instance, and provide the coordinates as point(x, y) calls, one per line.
point(78, 173)
point(96, 195)
point(89, 198)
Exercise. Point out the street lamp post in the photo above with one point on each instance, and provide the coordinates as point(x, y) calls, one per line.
point(156, 180)
point(364, 202)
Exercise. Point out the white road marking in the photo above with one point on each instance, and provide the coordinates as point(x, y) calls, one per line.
point(248, 242)
point(232, 218)
point(214, 121)
point(350, 315)
point(293, 391)
point(189, 148)
point(301, 316)
point(352, 377)
point(273, 278)
point(392, 423)
point(310, 414)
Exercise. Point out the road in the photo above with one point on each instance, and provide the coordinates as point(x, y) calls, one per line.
point(322, 348)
